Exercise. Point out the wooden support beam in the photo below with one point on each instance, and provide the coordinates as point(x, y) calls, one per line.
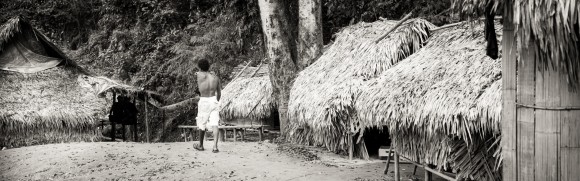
point(235, 135)
point(508, 122)
point(350, 146)
point(261, 133)
point(397, 168)
point(388, 161)
point(428, 175)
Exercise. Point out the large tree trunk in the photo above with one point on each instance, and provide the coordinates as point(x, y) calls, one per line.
point(309, 32)
point(278, 49)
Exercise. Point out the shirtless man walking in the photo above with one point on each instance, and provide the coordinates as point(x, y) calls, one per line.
point(207, 108)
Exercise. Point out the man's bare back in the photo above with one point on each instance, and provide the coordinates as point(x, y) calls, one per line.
point(208, 84)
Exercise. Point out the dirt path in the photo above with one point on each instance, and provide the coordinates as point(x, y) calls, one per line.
point(178, 161)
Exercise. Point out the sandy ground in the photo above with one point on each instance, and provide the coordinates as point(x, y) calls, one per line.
point(179, 161)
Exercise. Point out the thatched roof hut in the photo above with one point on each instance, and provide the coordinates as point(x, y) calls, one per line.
point(322, 97)
point(248, 96)
point(45, 98)
point(442, 104)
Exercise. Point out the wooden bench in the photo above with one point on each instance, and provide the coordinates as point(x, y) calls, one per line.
point(104, 122)
point(260, 128)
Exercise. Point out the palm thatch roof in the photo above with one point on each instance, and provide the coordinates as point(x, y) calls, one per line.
point(442, 104)
point(322, 96)
point(56, 104)
point(552, 28)
point(249, 95)
point(47, 107)
point(102, 85)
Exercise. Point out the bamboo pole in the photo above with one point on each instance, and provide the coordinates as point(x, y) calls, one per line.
point(241, 71)
point(258, 69)
point(395, 27)
point(526, 87)
point(546, 158)
point(569, 152)
point(509, 95)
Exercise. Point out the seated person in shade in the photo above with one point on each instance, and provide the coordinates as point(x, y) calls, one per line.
point(116, 113)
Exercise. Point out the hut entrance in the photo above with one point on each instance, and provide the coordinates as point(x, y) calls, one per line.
point(274, 120)
point(373, 139)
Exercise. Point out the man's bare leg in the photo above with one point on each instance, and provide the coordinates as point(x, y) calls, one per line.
point(216, 134)
point(201, 138)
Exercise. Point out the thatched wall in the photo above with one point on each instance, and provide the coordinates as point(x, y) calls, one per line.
point(442, 104)
point(322, 97)
point(247, 98)
point(46, 107)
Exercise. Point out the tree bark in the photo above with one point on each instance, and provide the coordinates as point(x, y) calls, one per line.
point(282, 68)
point(310, 40)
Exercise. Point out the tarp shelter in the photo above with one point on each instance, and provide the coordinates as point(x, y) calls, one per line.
point(26, 50)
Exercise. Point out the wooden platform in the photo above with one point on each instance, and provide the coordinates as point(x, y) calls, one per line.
point(235, 128)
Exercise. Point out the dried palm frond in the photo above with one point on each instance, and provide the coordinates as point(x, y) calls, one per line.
point(48, 101)
point(449, 90)
point(247, 96)
point(8, 31)
point(322, 96)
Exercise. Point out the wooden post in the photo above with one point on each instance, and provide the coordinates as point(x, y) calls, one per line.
point(428, 175)
point(261, 133)
point(235, 136)
point(184, 132)
point(111, 122)
point(243, 134)
point(388, 161)
point(146, 121)
point(222, 135)
point(350, 146)
point(508, 122)
point(135, 138)
point(112, 130)
point(397, 168)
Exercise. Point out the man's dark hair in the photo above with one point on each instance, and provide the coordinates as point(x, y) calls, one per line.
point(203, 64)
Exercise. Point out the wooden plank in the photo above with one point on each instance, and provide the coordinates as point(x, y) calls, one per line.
point(508, 122)
point(225, 127)
point(547, 124)
point(526, 90)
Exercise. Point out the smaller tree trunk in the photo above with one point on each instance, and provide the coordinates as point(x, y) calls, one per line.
point(310, 40)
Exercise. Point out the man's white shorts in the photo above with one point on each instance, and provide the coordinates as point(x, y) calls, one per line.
point(207, 113)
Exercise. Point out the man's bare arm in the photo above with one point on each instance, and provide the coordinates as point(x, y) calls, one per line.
point(219, 89)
